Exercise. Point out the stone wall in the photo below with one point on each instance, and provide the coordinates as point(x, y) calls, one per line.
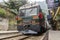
point(4, 24)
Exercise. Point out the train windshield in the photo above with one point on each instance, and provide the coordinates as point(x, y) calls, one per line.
point(28, 12)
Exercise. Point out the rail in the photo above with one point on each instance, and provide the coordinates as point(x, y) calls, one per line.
point(18, 36)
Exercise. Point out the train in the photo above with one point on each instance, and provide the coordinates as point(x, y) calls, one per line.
point(29, 21)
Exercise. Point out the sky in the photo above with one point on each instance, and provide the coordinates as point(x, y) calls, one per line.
point(29, 0)
point(36, 0)
point(2, 0)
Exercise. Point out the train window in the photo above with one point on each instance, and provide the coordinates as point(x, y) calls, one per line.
point(31, 12)
point(28, 12)
point(22, 12)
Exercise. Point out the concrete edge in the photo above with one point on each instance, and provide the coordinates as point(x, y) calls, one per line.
point(44, 36)
point(1, 32)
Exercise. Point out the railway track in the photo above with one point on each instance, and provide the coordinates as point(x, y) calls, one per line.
point(40, 37)
point(24, 37)
point(11, 35)
point(33, 38)
point(18, 37)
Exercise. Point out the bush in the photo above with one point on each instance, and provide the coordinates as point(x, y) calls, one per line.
point(2, 12)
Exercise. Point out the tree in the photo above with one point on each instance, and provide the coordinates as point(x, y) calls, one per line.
point(14, 5)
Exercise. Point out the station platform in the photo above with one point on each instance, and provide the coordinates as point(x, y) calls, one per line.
point(54, 35)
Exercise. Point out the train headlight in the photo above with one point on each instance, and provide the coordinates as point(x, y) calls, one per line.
point(35, 17)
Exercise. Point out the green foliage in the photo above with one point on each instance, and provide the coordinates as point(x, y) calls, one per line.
point(58, 17)
point(2, 12)
point(14, 5)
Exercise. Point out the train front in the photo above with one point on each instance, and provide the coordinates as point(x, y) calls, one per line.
point(29, 20)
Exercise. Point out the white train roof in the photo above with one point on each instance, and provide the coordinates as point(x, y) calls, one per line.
point(29, 5)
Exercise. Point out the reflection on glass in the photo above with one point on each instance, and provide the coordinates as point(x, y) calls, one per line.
point(28, 12)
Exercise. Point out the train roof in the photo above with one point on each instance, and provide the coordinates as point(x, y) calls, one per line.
point(43, 6)
point(29, 5)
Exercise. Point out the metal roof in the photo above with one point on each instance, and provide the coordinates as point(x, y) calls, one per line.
point(28, 5)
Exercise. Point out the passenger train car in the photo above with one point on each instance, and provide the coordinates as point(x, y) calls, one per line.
point(29, 22)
